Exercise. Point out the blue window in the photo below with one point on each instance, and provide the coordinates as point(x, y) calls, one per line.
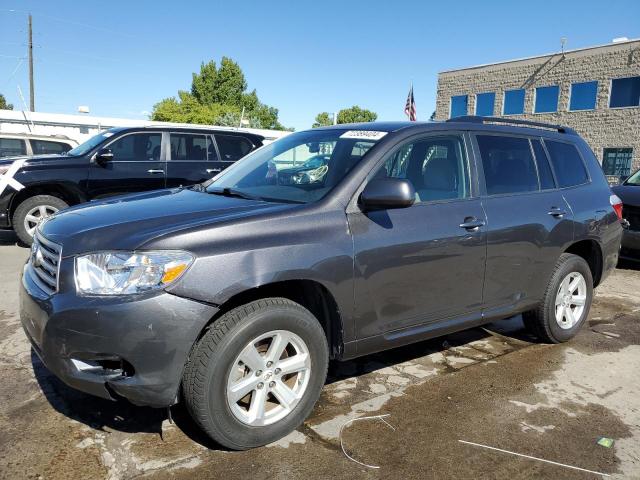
point(583, 96)
point(513, 102)
point(459, 105)
point(485, 103)
point(547, 99)
point(625, 92)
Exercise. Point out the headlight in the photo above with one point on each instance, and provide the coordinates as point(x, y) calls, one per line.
point(120, 273)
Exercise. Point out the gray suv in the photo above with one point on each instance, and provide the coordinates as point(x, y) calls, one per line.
point(233, 295)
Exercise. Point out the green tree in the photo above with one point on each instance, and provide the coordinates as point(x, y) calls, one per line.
point(218, 96)
point(356, 114)
point(3, 103)
point(322, 120)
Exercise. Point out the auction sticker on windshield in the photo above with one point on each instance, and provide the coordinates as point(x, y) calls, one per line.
point(363, 134)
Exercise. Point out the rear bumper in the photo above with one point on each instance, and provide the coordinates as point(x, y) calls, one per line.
point(630, 245)
point(135, 348)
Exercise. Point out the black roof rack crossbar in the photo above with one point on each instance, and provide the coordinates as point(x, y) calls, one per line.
point(512, 121)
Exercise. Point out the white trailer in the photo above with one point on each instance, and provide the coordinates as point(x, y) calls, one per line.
point(82, 127)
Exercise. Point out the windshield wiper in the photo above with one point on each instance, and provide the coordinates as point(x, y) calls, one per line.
point(230, 192)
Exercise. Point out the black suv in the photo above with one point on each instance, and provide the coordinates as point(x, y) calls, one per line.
point(116, 161)
point(234, 294)
point(629, 193)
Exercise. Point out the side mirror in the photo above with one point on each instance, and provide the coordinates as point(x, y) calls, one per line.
point(104, 155)
point(387, 193)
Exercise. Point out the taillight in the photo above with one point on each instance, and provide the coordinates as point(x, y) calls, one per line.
point(616, 203)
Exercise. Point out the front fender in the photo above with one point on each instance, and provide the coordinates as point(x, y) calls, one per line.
point(323, 255)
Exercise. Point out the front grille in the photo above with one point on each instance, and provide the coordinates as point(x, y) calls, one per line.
point(45, 263)
point(632, 215)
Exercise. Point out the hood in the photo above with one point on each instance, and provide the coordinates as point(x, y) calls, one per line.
point(129, 221)
point(629, 194)
point(34, 158)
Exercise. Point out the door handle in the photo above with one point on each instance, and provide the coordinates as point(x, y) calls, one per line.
point(472, 224)
point(557, 212)
point(154, 171)
point(214, 170)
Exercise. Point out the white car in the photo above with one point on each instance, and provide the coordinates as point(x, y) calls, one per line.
point(14, 144)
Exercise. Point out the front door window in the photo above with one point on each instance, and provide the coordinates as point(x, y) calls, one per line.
point(137, 147)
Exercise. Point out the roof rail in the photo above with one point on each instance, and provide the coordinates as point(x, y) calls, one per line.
point(510, 121)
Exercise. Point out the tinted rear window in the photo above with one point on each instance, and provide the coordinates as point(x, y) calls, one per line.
point(567, 164)
point(45, 147)
point(12, 146)
point(187, 146)
point(508, 164)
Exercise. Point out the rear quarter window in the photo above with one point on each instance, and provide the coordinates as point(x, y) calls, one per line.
point(233, 147)
point(567, 163)
point(45, 147)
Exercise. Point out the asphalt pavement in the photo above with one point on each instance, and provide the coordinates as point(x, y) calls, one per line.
point(485, 403)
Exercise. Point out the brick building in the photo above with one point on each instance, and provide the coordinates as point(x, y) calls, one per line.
point(594, 90)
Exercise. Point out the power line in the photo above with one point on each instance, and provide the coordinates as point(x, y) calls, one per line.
point(71, 22)
point(15, 70)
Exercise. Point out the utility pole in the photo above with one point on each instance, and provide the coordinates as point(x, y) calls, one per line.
point(32, 102)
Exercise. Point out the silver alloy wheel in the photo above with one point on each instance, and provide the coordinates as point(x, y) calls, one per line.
point(268, 378)
point(570, 300)
point(36, 215)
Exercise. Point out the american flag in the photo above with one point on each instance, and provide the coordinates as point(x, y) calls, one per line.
point(410, 107)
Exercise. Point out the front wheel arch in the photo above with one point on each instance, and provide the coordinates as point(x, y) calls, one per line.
point(311, 294)
point(71, 196)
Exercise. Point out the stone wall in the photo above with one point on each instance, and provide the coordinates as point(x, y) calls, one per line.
point(602, 128)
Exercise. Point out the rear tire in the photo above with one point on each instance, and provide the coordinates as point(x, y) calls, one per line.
point(234, 382)
point(566, 302)
point(31, 211)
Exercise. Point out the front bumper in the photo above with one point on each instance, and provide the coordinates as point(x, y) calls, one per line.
point(630, 245)
point(150, 335)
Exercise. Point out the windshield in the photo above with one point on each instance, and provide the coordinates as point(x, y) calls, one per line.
point(633, 179)
point(300, 168)
point(90, 144)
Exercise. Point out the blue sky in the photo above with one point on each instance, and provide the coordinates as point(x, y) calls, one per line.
point(304, 57)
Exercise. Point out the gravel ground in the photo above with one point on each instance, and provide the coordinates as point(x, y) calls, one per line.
point(494, 387)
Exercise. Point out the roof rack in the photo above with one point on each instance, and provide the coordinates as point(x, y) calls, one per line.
point(509, 121)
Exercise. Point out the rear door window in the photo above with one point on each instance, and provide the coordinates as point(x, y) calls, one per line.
point(567, 164)
point(185, 146)
point(544, 169)
point(12, 146)
point(508, 164)
point(43, 147)
point(233, 147)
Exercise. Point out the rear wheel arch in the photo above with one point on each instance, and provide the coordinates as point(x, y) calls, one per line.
point(591, 251)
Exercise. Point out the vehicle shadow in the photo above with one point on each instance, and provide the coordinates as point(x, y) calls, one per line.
point(122, 416)
point(8, 238)
point(511, 330)
point(628, 265)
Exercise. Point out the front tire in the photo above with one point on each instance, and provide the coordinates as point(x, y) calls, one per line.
point(31, 212)
point(566, 302)
point(256, 374)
